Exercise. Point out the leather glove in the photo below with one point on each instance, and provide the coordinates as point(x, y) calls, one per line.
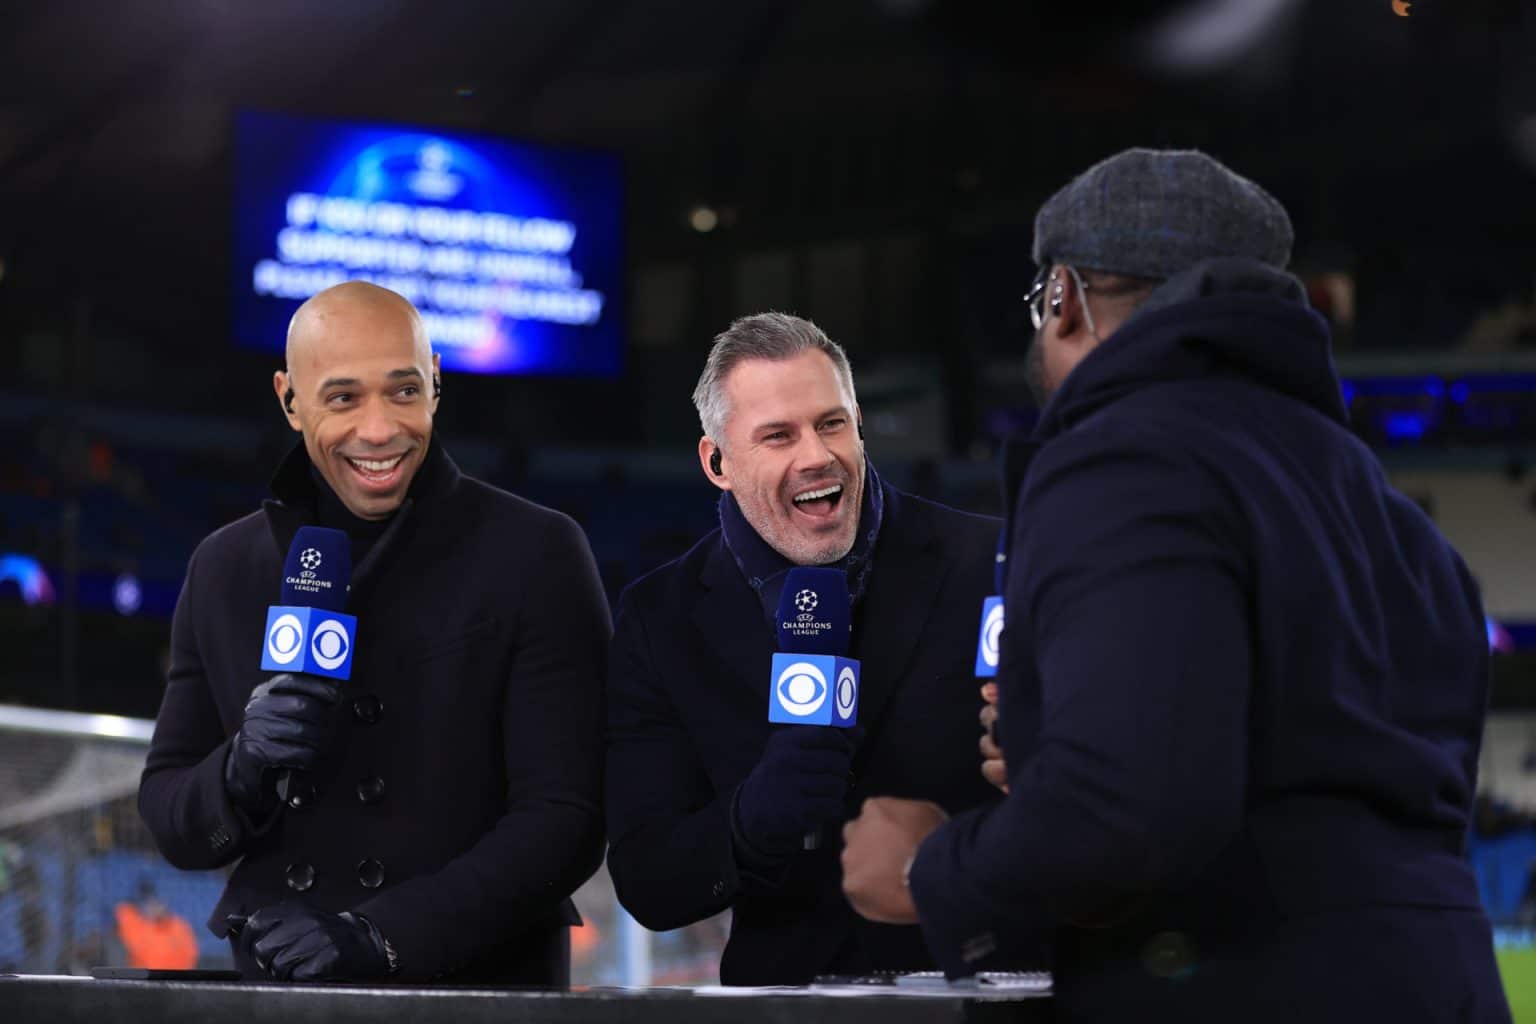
point(292, 941)
point(799, 785)
point(289, 721)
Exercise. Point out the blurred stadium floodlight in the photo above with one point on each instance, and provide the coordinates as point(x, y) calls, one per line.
point(1213, 34)
point(29, 577)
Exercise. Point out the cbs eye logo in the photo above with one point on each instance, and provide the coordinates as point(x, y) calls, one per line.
point(330, 644)
point(285, 639)
point(847, 692)
point(801, 689)
point(991, 635)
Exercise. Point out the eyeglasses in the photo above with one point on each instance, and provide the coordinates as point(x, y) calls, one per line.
point(1035, 297)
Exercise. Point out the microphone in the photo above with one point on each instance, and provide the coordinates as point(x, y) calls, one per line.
point(308, 634)
point(988, 644)
point(988, 651)
point(813, 680)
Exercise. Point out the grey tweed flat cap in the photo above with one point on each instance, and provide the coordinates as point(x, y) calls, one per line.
point(1152, 213)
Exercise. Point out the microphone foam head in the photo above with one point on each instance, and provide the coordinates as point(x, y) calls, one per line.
point(319, 569)
point(815, 614)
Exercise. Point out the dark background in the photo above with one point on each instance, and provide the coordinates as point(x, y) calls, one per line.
point(872, 164)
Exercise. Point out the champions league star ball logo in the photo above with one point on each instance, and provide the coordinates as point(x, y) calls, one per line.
point(806, 601)
point(310, 559)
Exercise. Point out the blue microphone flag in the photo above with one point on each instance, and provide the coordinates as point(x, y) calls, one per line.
point(813, 683)
point(988, 644)
point(815, 614)
point(319, 569)
point(308, 633)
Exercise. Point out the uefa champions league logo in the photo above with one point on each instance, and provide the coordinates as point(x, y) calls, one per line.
point(310, 559)
point(434, 180)
point(805, 624)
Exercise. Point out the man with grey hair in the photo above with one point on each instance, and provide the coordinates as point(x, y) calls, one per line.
point(708, 805)
point(1241, 719)
point(770, 338)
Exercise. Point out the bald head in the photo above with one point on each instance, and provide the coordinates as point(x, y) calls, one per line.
point(351, 300)
point(361, 386)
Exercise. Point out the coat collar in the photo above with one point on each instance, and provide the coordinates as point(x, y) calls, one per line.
point(294, 500)
point(1231, 319)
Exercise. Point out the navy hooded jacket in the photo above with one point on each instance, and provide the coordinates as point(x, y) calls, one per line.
point(1243, 684)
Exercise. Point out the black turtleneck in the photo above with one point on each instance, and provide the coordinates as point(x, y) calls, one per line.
point(330, 511)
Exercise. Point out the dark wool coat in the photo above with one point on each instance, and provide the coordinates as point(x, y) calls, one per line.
point(460, 805)
point(1243, 686)
point(688, 718)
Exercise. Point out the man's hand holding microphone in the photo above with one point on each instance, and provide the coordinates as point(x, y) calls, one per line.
point(799, 785)
point(289, 725)
point(801, 782)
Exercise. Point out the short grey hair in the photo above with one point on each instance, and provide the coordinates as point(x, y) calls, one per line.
point(771, 336)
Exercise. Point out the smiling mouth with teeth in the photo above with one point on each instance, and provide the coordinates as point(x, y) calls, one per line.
point(825, 492)
point(820, 502)
point(377, 466)
point(376, 471)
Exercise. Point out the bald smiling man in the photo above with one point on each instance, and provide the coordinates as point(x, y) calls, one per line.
point(456, 776)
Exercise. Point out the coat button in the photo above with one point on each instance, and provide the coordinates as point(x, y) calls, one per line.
point(718, 888)
point(301, 794)
point(370, 790)
point(370, 873)
point(300, 877)
point(367, 708)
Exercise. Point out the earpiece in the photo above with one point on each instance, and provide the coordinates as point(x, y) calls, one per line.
point(861, 430)
point(1056, 299)
point(714, 463)
point(288, 401)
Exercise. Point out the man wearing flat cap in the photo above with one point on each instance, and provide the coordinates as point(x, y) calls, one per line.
point(1243, 684)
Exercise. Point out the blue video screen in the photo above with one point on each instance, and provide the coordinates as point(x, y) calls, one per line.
point(513, 252)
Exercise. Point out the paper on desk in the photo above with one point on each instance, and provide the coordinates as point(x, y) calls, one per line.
point(917, 985)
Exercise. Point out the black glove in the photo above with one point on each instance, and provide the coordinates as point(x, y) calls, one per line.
point(295, 942)
point(288, 723)
point(798, 785)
